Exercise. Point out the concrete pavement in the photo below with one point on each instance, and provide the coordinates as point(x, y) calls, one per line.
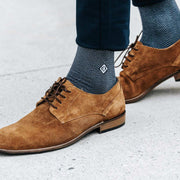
point(36, 47)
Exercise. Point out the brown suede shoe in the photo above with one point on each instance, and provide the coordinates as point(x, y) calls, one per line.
point(145, 68)
point(63, 116)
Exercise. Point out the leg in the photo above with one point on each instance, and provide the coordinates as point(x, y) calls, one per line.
point(145, 67)
point(161, 23)
point(102, 26)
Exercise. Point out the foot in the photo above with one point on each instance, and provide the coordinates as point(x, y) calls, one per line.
point(145, 68)
point(63, 116)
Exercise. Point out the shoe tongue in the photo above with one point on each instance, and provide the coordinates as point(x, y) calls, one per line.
point(138, 43)
point(67, 83)
point(71, 87)
point(59, 79)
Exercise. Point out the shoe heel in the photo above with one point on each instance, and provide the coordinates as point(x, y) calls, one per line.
point(113, 123)
point(177, 77)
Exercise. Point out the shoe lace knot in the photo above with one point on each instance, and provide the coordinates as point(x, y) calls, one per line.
point(54, 91)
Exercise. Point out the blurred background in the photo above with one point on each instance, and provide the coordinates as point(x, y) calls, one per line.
point(37, 45)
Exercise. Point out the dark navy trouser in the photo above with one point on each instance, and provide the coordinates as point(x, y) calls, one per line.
point(104, 24)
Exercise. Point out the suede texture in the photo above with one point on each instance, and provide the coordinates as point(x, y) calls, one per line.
point(46, 126)
point(148, 67)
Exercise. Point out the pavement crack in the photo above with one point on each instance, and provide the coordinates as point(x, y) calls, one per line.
point(34, 70)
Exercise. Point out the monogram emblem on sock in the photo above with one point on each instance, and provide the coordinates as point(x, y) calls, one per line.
point(103, 68)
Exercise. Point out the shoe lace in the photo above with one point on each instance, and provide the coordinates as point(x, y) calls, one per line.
point(55, 90)
point(127, 54)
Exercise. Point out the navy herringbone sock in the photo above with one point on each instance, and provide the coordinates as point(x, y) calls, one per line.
point(93, 70)
point(161, 24)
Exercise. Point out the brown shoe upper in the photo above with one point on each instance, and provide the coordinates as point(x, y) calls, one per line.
point(146, 66)
point(58, 119)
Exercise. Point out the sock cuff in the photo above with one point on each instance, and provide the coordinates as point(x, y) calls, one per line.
point(141, 3)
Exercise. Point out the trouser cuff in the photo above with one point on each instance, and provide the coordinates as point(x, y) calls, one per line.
point(141, 3)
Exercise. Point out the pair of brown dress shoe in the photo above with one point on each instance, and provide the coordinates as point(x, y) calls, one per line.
point(65, 114)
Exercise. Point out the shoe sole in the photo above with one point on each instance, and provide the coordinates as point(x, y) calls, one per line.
point(142, 95)
point(100, 127)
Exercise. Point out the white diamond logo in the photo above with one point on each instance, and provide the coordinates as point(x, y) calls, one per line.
point(103, 68)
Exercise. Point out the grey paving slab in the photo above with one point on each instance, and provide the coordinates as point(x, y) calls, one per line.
point(36, 34)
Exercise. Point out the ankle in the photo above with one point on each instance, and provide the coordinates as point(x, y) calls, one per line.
point(93, 70)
